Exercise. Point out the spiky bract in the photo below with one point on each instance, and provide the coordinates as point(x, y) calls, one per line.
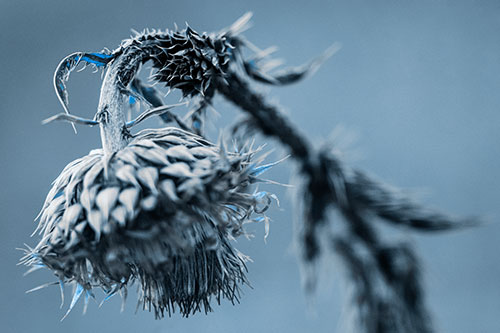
point(161, 211)
point(185, 59)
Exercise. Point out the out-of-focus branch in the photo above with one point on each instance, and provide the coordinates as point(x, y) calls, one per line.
point(329, 185)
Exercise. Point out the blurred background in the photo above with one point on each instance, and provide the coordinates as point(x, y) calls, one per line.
point(417, 82)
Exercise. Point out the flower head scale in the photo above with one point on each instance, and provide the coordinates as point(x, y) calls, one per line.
point(161, 211)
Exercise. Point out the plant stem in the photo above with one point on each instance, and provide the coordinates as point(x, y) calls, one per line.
point(111, 116)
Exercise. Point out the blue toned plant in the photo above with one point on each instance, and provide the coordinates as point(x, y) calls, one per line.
point(160, 207)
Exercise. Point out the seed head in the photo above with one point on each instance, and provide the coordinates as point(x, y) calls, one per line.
point(162, 212)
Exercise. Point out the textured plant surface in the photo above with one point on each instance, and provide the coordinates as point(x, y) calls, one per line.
point(143, 199)
point(162, 210)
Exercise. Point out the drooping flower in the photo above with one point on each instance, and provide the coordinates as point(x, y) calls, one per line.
point(162, 211)
point(159, 208)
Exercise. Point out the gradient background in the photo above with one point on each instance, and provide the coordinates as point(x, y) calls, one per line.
point(417, 81)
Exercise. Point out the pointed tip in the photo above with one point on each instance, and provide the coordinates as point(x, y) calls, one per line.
point(41, 287)
point(135, 32)
point(61, 286)
point(330, 51)
point(76, 296)
point(88, 294)
point(123, 294)
point(33, 269)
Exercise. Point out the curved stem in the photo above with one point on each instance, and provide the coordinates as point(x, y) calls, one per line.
point(110, 114)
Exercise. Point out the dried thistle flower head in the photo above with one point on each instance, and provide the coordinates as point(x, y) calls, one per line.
point(161, 211)
point(159, 207)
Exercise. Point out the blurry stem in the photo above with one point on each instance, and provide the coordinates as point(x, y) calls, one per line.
point(267, 117)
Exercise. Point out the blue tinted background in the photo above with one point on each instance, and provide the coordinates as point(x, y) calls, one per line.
point(417, 81)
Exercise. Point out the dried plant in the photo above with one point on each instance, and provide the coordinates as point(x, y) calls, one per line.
point(161, 206)
point(161, 210)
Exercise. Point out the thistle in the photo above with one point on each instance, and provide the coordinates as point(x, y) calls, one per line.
point(159, 207)
point(162, 211)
